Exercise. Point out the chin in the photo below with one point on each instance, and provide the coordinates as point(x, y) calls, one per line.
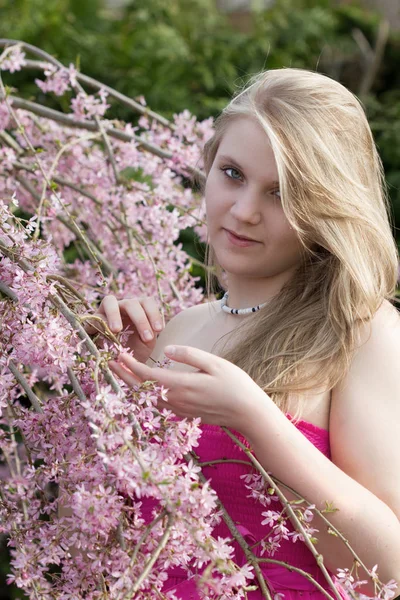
point(236, 265)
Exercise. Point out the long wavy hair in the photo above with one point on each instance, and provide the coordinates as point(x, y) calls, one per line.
point(334, 195)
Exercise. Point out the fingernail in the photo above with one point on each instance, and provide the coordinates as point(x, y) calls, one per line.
point(147, 335)
point(157, 325)
point(170, 350)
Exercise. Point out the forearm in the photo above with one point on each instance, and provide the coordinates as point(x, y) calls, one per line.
point(370, 526)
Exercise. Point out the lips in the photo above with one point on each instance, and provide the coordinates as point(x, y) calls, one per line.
point(241, 237)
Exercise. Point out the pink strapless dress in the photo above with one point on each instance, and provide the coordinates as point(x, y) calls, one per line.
point(246, 512)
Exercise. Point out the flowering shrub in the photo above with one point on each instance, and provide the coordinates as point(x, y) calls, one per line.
point(71, 434)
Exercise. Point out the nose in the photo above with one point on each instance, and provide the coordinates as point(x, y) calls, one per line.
point(246, 206)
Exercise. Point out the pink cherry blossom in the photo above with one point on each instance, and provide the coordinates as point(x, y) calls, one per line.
point(14, 60)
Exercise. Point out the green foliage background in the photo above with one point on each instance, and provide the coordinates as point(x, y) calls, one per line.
point(184, 54)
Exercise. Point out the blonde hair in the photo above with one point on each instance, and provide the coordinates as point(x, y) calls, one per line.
point(334, 195)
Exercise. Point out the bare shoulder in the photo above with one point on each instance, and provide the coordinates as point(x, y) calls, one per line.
point(365, 409)
point(385, 322)
point(194, 314)
point(177, 327)
point(376, 350)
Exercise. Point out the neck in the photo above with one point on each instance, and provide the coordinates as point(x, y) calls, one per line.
point(246, 293)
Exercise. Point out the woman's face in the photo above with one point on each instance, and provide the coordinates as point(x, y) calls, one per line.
point(242, 195)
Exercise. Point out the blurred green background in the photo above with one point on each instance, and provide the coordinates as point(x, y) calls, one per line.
point(190, 54)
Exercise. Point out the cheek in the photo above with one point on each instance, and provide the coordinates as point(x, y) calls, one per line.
point(213, 198)
point(276, 222)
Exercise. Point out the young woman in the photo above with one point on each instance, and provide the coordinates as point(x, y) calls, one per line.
point(300, 356)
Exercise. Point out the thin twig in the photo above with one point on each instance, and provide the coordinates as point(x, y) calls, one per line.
point(66, 121)
point(161, 545)
point(330, 525)
point(92, 348)
point(50, 59)
point(36, 404)
point(27, 449)
point(101, 262)
point(4, 289)
point(318, 557)
point(25, 265)
point(70, 287)
point(28, 185)
point(125, 100)
point(315, 509)
point(139, 544)
point(224, 460)
point(296, 570)
point(76, 386)
point(251, 558)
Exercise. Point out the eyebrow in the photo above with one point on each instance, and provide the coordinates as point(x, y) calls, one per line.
point(235, 162)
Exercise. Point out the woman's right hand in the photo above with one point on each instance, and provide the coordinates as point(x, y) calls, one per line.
point(142, 313)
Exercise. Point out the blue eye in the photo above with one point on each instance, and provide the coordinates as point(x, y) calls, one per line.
point(225, 169)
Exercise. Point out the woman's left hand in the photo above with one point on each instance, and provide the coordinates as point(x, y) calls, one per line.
point(219, 392)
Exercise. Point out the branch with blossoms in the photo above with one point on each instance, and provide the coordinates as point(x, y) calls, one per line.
point(116, 196)
point(108, 446)
point(123, 449)
point(267, 488)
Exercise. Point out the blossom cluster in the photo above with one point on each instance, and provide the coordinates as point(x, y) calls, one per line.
point(107, 446)
point(71, 435)
point(276, 518)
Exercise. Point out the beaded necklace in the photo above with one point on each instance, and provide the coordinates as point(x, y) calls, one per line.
point(238, 311)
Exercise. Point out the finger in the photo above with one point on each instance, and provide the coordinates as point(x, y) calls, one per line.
point(165, 377)
point(138, 368)
point(137, 314)
point(110, 307)
point(153, 313)
point(125, 374)
point(173, 381)
point(132, 380)
point(194, 357)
